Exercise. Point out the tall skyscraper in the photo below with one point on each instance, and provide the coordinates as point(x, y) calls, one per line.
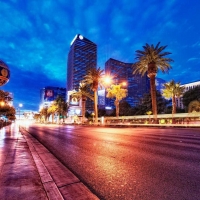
point(160, 84)
point(136, 85)
point(82, 57)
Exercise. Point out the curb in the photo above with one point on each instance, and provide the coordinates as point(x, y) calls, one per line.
point(58, 181)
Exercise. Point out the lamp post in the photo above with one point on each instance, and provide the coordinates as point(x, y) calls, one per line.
point(107, 80)
point(124, 84)
point(2, 103)
point(20, 105)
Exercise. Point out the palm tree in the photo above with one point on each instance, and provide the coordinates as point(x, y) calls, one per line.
point(94, 78)
point(151, 60)
point(37, 117)
point(52, 110)
point(115, 91)
point(171, 91)
point(44, 113)
point(82, 94)
point(62, 107)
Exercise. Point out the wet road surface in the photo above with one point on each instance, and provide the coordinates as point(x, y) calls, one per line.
point(128, 163)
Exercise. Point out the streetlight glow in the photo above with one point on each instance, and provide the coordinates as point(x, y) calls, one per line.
point(124, 83)
point(107, 80)
point(2, 103)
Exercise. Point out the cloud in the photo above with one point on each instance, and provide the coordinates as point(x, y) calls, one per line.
point(35, 36)
point(196, 44)
point(26, 86)
point(193, 59)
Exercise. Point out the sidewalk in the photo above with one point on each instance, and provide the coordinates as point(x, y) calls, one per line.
point(29, 171)
point(19, 178)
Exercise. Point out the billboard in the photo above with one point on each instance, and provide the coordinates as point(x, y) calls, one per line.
point(74, 101)
point(49, 95)
point(4, 73)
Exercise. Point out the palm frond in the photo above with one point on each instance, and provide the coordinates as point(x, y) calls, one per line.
point(157, 46)
point(172, 88)
point(151, 54)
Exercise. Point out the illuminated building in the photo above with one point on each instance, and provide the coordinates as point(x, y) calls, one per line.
point(188, 86)
point(49, 94)
point(160, 84)
point(82, 56)
point(136, 85)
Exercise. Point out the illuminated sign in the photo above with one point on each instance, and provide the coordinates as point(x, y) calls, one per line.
point(49, 95)
point(4, 73)
point(74, 101)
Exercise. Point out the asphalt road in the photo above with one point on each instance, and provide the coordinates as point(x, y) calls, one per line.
point(129, 163)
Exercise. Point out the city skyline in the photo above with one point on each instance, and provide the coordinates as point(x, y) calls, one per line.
point(36, 37)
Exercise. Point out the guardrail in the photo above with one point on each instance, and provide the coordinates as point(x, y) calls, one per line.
point(152, 125)
point(180, 119)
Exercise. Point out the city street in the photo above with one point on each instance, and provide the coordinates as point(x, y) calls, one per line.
point(128, 163)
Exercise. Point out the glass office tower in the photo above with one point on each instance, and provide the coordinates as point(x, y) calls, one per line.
point(82, 57)
point(136, 85)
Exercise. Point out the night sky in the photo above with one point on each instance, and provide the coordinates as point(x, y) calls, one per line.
point(35, 38)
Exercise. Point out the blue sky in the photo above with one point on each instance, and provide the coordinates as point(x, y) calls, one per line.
point(35, 37)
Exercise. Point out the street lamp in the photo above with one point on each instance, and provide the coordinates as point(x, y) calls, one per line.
point(20, 105)
point(107, 80)
point(2, 103)
point(124, 83)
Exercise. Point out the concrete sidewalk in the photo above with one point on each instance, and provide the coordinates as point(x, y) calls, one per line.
point(19, 178)
point(29, 171)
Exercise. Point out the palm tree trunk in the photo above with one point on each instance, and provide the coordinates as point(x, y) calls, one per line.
point(173, 108)
point(52, 118)
point(83, 108)
point(153, 96)
point(151, 73)
point(95, 106)
point(117, 108)
point(173, 105)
